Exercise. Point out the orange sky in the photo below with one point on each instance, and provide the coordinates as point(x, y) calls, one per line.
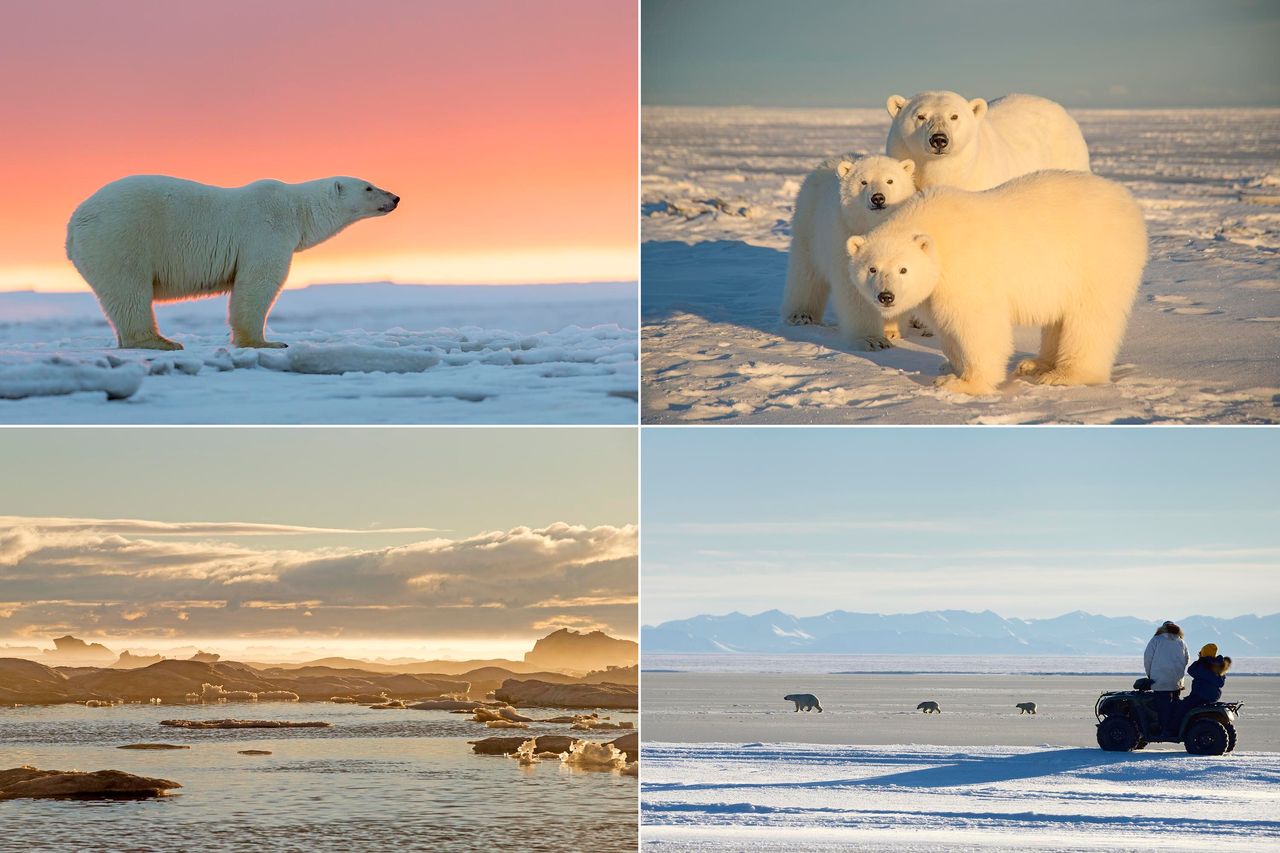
point(509, 128)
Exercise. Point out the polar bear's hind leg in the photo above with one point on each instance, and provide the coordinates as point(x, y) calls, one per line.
point(126, 299)
point(1048, 357)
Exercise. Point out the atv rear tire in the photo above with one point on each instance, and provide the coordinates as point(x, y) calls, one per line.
point(1207, 737)
point(1231, 738)
point(1117, 734)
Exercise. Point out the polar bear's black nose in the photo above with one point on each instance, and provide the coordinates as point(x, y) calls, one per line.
point(885, 298)
point(877, 199)
point(395, 199)
point(939, 141)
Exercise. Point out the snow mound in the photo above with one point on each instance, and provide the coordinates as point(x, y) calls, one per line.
point(59, 376)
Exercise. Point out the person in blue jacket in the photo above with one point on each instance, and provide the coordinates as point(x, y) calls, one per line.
point(1208, 676)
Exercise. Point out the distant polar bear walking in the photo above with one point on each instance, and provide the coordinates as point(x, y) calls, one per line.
point(1026, 708)
point(929, 708)
point(844, 196)
point(804, 701)
point(150, 238)
point(974, 145)
point(1061, 250)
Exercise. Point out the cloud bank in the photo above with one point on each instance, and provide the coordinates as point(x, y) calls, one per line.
point(130, 578)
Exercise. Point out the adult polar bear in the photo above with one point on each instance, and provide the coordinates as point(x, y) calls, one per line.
point(976, 146)
point(844, 196)
point(1056, 249)
point(150, 238)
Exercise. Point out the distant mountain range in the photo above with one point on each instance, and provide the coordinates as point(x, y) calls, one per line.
point(942, 632)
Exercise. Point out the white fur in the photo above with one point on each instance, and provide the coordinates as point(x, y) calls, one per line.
point(835, 202)
point(150, 238)
point(987, 144)
point(1060, 250)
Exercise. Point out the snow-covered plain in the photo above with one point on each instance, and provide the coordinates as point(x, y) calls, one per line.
point(758, 796)
point(718, 188)
point(727, 764)
point(362, 354)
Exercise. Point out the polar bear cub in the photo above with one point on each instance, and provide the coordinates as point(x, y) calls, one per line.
point(976, 146)
point(150, 238)
point(1060, 250)
point(844, 196)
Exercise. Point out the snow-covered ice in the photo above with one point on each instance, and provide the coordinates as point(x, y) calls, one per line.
point(786, 796)
point(370, 353)
point(1203, 344)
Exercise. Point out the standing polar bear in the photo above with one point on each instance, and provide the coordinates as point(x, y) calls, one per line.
point(150, 238)
point(1060, 250)
point(844, 196)
point(976, 146)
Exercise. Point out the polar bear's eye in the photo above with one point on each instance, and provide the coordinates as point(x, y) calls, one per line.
point(871, 270)
point(864, 183)
point(920, 117)
point(953, 118)
point(368, 189)
point(903, 271)
point(889, 181)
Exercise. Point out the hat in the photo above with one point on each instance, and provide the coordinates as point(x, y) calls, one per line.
point(1209, 650)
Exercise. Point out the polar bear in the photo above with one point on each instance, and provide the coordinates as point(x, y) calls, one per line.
point(976, 146)
point(929, 708)
point(1025, 708)
point(1060, 250)
point(803, 701)
point(844, 196)
point(151, 238)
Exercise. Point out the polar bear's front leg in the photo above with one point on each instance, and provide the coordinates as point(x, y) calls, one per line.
point(805, 298)
point(979, 352)
point(861, 324)
point(256, 287)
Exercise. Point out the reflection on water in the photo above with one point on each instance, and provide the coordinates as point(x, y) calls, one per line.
point(395, 778)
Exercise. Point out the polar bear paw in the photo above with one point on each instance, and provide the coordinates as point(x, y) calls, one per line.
point(152, 343)
point(1058, 376)
point(801, 318)
point(259, 344)
point(871, 343)
point(957, 385)
point(1030, 367)
point(919, 326)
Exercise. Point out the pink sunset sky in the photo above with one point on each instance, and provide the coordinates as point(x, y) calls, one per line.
point(509, 128)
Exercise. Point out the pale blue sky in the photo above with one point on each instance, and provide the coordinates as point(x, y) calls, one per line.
point(1155, 523)
point(1084, 53)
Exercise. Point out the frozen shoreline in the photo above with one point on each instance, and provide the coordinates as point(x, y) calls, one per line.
point(880, 709)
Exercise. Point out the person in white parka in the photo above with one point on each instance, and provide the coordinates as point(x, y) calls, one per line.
point(1165, 660)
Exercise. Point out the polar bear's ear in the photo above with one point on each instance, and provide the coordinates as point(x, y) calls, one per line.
point(843, 168)
point(337, 188)
point(925, 242)
point(895, 104)
point(979, 107)
point(856, 242)
point(908, 166)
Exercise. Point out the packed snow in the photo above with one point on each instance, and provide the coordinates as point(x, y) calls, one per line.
point(371, 353)
point(784, 796)
point(1203, 344)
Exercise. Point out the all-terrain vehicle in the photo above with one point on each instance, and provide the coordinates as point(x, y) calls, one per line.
point(1127, 720)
